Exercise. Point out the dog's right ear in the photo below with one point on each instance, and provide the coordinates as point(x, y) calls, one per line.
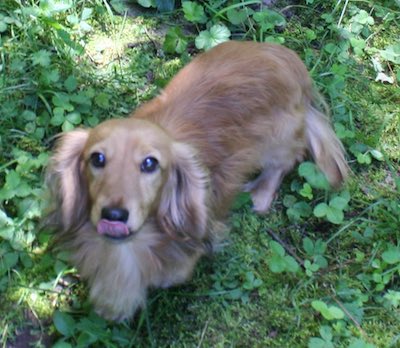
point(66, 182)
point(183, 211)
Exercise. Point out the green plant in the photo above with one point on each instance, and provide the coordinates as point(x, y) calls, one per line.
point(90, 330)
point(280, 262)
point(328, 312)
point(213, 21)
point(300, 207)
point(238, 282)
point(334, 209)
point(314, 250)
point(325, 341)
point(161, 5)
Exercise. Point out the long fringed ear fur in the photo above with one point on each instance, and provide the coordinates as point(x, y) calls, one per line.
point(67, 186)
point(183, 208)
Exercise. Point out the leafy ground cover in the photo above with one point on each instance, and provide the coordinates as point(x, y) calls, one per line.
point(321, 270)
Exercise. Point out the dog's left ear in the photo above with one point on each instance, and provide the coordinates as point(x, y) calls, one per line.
point(183, 210)
point(66, 182)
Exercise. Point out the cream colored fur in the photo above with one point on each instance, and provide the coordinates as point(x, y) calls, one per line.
point(238, 109)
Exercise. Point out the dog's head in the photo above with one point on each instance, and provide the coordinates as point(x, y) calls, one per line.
point(123, 174)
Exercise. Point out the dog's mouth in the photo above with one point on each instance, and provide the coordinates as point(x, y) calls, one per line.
point(114, 230)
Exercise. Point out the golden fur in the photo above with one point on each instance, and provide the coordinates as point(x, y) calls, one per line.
point(238, 109)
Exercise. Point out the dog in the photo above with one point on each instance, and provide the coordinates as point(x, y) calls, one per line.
point(137, 201)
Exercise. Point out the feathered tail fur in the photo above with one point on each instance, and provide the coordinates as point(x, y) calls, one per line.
point(324, 145)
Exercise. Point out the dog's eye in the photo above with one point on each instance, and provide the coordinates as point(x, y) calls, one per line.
point(98, 160)
point(149, 165)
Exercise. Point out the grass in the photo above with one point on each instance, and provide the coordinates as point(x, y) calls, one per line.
point(294, 278)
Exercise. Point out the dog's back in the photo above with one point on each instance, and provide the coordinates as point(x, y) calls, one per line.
point(248, 106)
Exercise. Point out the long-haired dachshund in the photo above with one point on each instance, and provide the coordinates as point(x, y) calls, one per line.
point(137, 201)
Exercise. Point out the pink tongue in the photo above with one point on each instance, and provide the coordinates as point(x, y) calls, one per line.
point(112, 228)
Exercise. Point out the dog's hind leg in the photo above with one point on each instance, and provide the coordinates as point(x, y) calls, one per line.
point(277, 163)
point(264, 187)
point(284, 145)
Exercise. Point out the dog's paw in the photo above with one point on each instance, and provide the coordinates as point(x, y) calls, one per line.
point(262, 201)
point(111, 316)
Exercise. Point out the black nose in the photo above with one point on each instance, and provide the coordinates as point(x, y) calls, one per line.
point(115, 214)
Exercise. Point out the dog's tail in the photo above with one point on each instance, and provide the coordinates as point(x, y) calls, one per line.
point(324, 145)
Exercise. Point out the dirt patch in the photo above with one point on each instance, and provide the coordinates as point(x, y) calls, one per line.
point(33, 332)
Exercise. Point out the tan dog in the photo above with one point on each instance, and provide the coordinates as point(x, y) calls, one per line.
point(138, 200)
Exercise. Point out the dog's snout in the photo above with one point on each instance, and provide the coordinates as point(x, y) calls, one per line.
point(115, 214)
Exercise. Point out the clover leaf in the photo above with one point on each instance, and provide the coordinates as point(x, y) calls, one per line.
point(280, 262)
point(313, 175)
point(328, 312)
